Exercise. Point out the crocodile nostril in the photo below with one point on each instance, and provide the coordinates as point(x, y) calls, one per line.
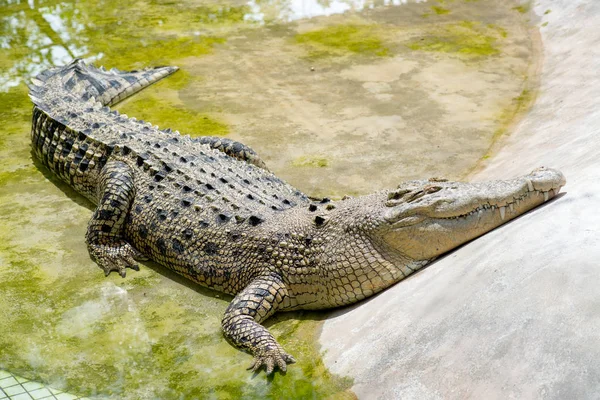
point(432, 189)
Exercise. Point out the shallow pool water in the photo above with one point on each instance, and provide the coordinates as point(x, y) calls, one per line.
point(338, 97)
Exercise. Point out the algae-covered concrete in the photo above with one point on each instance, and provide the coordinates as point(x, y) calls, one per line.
point(516, 313)
point(152, 335)
point(394, 93)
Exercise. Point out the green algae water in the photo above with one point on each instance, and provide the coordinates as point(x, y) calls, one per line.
point(338, 97)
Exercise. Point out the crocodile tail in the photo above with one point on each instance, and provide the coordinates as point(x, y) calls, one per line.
point(107, 87)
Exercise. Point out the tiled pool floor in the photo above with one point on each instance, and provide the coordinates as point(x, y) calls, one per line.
point(14, 387)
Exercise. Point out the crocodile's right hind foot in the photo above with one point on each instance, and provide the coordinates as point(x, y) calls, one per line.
point(270, 358)
point(242, 323)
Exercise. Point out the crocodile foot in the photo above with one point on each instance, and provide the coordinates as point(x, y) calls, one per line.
point(116, 257)
point(271, 357)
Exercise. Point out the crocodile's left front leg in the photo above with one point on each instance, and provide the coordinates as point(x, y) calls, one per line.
point(233, 149)
point(104, 236)
point(241, 323)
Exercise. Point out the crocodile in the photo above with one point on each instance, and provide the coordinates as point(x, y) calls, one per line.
point(209, 209)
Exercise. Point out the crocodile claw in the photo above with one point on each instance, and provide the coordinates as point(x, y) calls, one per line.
point(270, 359)
point(116, 258)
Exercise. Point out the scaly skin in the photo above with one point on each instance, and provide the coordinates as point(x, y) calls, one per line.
point(210, 210)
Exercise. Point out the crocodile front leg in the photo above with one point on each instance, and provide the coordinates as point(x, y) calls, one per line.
point(241, 323)
point(233, 149)
point(105, 230)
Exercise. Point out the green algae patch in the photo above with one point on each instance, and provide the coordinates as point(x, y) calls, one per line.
point(510, 115)
point(157, 51)
point(15, 115)
point(177, 81)
point(523, 8)
point(466, 38)
point(18, 176)
point(437, 10)
point(310, 161)
point(440, 10)
point(183, 15)
point(15, 111)
point(340, 40)
point(220, 14)
point(500, 30)
point(16, 105)
point(171, 114)
point(305, 325)
point(141, 281)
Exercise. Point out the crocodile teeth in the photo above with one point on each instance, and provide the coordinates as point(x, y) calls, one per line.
point(545, 196)
point(530, 185)
point(502, 212)
point(512, 207)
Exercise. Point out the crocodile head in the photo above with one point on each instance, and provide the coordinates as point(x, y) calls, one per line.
point(424, 219)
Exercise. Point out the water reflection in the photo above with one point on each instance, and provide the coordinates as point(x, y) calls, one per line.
point(287, 11)
point(35, 35)
point(36, 38)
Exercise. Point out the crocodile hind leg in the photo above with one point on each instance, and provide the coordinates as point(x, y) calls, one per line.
point(241, 323)
point(105, 230)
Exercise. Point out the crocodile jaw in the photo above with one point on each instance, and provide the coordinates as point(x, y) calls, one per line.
point(427, 219)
